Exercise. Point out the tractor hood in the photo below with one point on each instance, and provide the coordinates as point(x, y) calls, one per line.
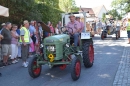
point(62, 38)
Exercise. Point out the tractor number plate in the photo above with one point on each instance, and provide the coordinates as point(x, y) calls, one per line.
point(85, 35)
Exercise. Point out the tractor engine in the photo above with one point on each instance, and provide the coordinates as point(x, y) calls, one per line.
point(54, 47)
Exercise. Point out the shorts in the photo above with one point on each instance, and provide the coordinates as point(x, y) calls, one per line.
point(128, 33)
point(6, 49)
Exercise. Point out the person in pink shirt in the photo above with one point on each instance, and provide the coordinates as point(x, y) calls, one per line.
point(74, 28)
point(52, 29)
point(81, 24)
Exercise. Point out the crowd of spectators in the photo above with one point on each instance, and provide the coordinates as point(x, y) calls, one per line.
point(22, 41)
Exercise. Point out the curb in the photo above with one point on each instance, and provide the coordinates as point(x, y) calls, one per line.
point(122, 77)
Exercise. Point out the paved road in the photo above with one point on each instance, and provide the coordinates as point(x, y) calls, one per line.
point(108, 54)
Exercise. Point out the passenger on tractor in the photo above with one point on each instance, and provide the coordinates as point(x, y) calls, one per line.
point(81, 24)
point(74, 29)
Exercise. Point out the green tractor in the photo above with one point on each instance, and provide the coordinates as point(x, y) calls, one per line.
point(59, 52)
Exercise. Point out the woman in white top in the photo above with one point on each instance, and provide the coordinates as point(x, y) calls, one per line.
point(56, 29)
point(14, 44)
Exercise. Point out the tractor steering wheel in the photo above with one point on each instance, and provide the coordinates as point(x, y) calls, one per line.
point(65, 31)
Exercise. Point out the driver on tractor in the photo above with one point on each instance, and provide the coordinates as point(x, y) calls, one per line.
point(74, 28)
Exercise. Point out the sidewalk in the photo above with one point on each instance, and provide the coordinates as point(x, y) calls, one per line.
point(122, 77)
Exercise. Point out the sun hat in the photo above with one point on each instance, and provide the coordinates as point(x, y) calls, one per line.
point(3, 24)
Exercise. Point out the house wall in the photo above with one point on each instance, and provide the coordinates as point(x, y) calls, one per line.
point(103, 10)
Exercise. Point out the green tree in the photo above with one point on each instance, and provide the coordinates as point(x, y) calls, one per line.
point(116, 3)
point(20, 10)
point(40, 10)
point(115, 14)
point(104, 17)
point(50, 10)
point(67, 5)
point(122, 5)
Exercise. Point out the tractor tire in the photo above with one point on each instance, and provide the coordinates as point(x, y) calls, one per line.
point(102, 36)
point(105, 36)
point(88, 54)
point(34, 69)
point(117, 35)
point(75, 68)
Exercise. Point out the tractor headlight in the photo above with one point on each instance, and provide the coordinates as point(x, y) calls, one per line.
point(41, 46)
point(51, 48)
point(67, 45)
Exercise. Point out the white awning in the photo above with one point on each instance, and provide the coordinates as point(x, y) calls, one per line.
point(4, 11)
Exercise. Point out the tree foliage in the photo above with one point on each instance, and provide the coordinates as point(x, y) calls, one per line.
point(115, 14)
point(116, 3)
point(40, 10)
point(21, 9)
point(104, 17)
point(67, 5)
point(121, 5)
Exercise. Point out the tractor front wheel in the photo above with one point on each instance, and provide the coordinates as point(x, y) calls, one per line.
point(34, 68)
point(75, 68)
point(88, 54)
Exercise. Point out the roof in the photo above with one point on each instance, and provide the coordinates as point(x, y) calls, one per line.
point(88, 9)
point(98, 9)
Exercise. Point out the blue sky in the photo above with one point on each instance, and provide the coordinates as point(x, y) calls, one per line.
point(94, 3)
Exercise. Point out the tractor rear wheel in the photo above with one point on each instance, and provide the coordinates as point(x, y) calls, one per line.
point(75, 68)
point(34, 69)
point(117, 35)
point(102, 36)
point(88, 54)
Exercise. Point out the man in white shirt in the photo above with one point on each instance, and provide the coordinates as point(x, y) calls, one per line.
point(99, 27)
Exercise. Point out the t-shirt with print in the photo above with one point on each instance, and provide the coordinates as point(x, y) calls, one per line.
point(7, 36)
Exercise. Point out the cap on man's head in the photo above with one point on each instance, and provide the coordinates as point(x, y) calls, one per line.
point(71, 15)
point(3, 24)
point(25, 22)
